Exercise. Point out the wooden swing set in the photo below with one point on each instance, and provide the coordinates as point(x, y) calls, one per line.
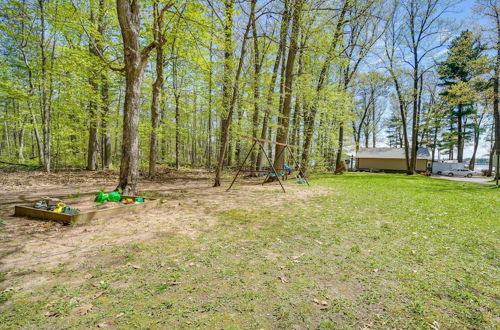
point(261, 142)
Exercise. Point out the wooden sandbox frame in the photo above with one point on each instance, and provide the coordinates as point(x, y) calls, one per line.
point(84, 217)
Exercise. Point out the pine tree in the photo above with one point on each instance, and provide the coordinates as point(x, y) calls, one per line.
point(465, 62)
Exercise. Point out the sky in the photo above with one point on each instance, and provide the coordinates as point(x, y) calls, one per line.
point(463, 15)
point(463, 10)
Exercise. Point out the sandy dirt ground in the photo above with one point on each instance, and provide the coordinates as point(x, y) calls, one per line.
point(30, 249)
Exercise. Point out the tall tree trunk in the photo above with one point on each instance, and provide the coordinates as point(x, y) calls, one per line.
point(297, 108)
point(282, 133)
point(256, 86)
point(45, 109)
point(285, 22)
point(177, 130)
point(491, 155)
point(106, 137)
point(209, 144)
point(226, 122)
point(93, 122)
point(472, 161)
point(135, 62)
point(309, 129)
point(496, 112)
point(157, 86)
point(20, 149)
point(194, 135)
point(402, 111)
point(374, 124)
point(434, 143)
point(128, 16)
point(460, 136)
point(414, 131)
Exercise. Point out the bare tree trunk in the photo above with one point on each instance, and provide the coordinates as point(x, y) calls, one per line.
point(414, 132)
point(402, 110)
point(472, 161)
point(496, 83)
point(226, 122)
point(20, 149)
point(209, 144)
point(106, 138)
point(434, 143)
point(490, 159)
point(157, 86)
point(460, 136)
point(282, 133)
point(256, 86)
point(309, 129)
point(374, 124)
point(297, 108)
point(45, 110)
point(93, 122)
point(177, 130)
point(135, 63)
point(285, 22)
point(128, 16)
point(194, 135)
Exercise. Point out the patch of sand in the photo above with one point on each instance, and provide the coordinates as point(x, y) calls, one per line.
point(29, 248)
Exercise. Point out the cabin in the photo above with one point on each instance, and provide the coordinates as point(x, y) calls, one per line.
point(390, 160)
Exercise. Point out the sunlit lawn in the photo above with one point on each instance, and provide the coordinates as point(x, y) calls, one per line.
point(379, 251)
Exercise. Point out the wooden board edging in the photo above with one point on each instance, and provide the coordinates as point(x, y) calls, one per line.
point(84, 217)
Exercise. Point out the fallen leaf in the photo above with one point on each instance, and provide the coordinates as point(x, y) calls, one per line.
point(98, 294)
point(83, 309)
point(435, 325)
point(322, 303)
point(134, 266)
point(97, 285)
point(89, 276)
point(50, 304)
point(283, 279)
point(8, 290)
point(50, 314)
point(105, 325)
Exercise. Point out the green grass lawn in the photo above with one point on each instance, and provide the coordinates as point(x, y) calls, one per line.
point(378, 250)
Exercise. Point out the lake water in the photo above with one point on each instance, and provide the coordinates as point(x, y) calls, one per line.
point(479, 167)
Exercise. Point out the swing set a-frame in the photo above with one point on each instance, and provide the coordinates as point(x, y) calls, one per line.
point(261, 142)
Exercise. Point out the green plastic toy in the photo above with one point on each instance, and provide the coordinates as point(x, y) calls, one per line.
point(113, 196)
point(70, 210)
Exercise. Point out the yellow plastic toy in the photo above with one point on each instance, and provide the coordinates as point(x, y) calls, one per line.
point(59, 208)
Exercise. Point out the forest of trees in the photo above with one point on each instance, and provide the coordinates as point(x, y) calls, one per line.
point(133, 85)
